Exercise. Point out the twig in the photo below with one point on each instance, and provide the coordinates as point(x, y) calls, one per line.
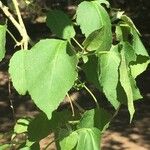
point(78, 106)
point(13, 37)
point(70, 100)
point(20, 26)
point(93, 96)
point(25, 35)
point(78, 44)
point(9, 15)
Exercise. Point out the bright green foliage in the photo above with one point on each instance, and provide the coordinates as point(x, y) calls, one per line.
point(125, 83)
point(21, 125)
point(88, 139)
point(128, 21)
point(97, 41)
point(98, 118)
point(109, 66)
point(69, 142)
point(4, 146)
point(2, 40)
point(142, 59)
point(84, 138)
point(17, 71)
point(49, 73)
point(129, 53)
point(60, 24)
point(88, 23)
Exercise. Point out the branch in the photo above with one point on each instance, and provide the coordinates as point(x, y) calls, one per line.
point(20, 26)
point(11, 18)
point(25, 35)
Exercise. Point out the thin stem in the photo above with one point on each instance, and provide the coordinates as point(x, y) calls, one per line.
point(114, 115)
point(94, 98)
point(70, 100)
point(78, 106)
point(13, 37)
point(16, 5)
point(25, 35)
point(20, 26)
point(78, 44)
point(9, 15)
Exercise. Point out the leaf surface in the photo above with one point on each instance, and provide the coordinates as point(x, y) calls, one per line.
point(60, 24)
point(143, 58)
point(85, 12)
point(21, 125)
point(17, 71)
point(128, 21)
point(50, 72)
point(125, 83)
point(109, 66)
point(2, 41)
point(89, 139)
point(98, 118)
point(69, 142)
point(98, 41)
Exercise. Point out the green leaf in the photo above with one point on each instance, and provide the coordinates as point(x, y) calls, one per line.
point(108, 66)
point(130, 54)
point(138, 45)
point(140, 66)
point(128, 21)
point(88, 139)
point(60, 24)
point(91, 71)
point(126, 84)
point(143, 58)
point(97, 40)
point(69, 142)
point(38, 128)
point(5, 146)
point(50, 72)
point(2, 41)
point(17, 71)
point(85, 12)
point(136, 92)
point(21, 125)
point(98, 118)
point(123, 32)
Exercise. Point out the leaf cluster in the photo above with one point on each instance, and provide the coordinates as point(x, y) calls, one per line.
point(110, 54)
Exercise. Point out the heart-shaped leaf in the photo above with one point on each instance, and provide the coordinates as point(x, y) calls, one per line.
point(48, 72)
